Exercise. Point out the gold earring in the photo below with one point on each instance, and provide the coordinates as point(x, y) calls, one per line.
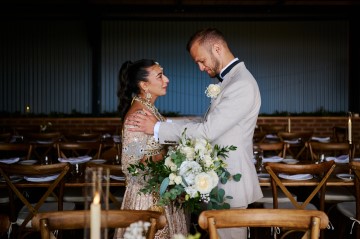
point(148, 95)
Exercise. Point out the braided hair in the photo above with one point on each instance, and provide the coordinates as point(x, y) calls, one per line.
point(130, 76)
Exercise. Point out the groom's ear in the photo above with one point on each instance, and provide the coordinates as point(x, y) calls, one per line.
point(216, 49)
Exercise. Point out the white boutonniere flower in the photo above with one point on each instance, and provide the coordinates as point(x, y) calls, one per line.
point(212, 91)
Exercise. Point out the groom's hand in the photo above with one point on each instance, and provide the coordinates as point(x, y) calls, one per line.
point(142, 122)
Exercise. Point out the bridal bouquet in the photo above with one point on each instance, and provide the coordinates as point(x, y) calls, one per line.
point(189, 175)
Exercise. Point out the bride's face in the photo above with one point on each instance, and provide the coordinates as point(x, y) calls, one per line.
point(157, 82)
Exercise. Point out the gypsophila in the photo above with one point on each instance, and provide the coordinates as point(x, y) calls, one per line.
point(212, 91)
point(189, 175)
point(137, 230)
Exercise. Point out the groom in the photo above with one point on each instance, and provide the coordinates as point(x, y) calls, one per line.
point(230, 120)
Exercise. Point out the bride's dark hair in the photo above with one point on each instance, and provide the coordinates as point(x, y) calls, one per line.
point(130, 75)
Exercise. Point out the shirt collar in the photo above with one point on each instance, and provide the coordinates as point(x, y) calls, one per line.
point(227, 68)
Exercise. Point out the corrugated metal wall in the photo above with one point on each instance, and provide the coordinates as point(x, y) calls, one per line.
point(299, 66)
point(46, 65)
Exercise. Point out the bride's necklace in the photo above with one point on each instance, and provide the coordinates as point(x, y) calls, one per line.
point(150, 107)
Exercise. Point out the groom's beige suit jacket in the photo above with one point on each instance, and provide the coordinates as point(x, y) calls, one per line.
point(230, 120)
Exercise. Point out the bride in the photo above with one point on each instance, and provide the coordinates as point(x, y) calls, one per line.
point(140, 83)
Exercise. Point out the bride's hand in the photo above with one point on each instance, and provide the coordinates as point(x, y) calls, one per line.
point(143, 122)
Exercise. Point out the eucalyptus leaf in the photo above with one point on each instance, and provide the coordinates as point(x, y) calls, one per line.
point(164, 185)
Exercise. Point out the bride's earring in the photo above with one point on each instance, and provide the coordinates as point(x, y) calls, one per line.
point(147, 95)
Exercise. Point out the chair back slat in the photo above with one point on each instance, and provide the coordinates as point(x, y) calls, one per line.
point(211, 220)
point(67, 220)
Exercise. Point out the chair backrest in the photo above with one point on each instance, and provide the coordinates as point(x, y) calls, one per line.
point(340, 133)
point(321, 171)
point(329, 149)
point(67, 220)
point(43, 143)
point(45, 136)
point(5, 137)
point(83, 137)
point(8, 170)
point(76, 149)
point(355, 166)
point(272, 129)
point(303, 136)
point(310, 220)
point(278, 148)
point(9, 150)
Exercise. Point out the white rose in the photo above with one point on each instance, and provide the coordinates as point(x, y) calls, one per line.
point(212, 91)
point(214, 177)
point(204, 183)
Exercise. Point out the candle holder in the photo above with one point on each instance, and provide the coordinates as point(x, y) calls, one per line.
point(351, 146)
point(96, 202)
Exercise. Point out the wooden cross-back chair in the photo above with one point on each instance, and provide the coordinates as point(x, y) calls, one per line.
point(351, 209)
point(34, 171)
point(310, 221)
point(320, 171)
point(278, 148)
point(329, 149)
point(296, 149)
point(10, 150)
point(76, 149)
point(43, 143)
point(67, 220)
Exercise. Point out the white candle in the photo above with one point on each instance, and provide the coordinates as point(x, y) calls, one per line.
point(289, 125)
point(95, 217)
point(349, 130)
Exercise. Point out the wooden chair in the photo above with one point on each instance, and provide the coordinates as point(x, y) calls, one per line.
point(333, 195)
point(4, 224)
point(83, 137)
point(310, 221)
point(297, 142)
point(5, 137)
point(43, 143)
point(340, 134)
point(76, 149)
point(272, 130)
point(321, 171)
point(47, 222)
point(10, 150)
point(329, 149)
point(269, 149)
point(351, 209)
point(34, 171)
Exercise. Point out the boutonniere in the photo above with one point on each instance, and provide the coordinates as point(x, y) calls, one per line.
point(212, 91)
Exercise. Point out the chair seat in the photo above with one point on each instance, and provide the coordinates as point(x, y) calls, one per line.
point(289, 205)
point(268, 197)
point(46, 207)
point(338, 194)
point(347, 208)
